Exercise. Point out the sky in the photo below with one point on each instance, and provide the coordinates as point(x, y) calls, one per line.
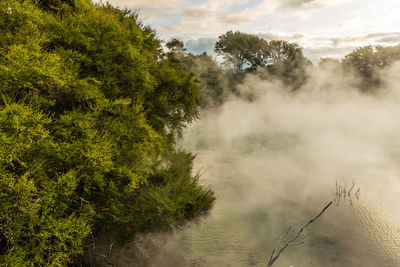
point(324, 28)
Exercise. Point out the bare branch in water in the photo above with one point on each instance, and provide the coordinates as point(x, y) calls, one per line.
point(342, 192)
point(292, 241)
point(357, 194)
point(277, 243)
point(351, 188)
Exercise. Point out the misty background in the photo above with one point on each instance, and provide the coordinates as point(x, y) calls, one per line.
point(274, 161)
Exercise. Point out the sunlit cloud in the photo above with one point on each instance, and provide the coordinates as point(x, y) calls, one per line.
point(276, 35)
point(303, 4)
point(220, 17)
point(201, 45)
point(322, 27)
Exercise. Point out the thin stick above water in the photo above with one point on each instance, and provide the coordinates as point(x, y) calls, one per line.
point(292, 242)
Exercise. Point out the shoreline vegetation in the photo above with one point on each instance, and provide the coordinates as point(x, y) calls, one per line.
point(92, 105)
point(90, 111)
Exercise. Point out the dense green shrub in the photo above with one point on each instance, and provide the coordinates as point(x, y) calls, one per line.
point(89, 111)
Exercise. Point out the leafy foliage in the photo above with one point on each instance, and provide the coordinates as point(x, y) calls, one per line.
point(213, 78)
point(89, 111)
point(367, 61)
point(287, 62)
point(248, 52)
point(176, 46)
point(241, 50)
point(167, 198)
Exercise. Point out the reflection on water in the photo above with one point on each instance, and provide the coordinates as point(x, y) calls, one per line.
point(274, 162)
point(256, 204)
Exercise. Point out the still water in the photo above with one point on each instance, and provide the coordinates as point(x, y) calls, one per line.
point(263, 188)
point(276, 162)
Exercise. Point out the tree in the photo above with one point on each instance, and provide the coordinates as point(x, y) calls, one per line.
point(282, 51)
point(213, 79)
point(285, 61)
point(89, 113)
point(241, 51)
point(366, 61)
point(206, 70)
point(280, 59)
point(176, 45)
point(327, 61)
point(363, 60)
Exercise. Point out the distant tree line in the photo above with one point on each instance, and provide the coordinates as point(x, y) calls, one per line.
point(244, 53)
point(367, 61)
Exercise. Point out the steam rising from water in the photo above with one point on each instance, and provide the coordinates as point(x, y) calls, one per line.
point(273, 163)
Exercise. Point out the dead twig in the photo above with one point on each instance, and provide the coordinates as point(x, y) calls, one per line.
point(344, 192)
point(292, 241)
point(277, 243)
point(351, 188)
point(357, 194)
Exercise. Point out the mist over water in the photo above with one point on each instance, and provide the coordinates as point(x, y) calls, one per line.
point(274, 162)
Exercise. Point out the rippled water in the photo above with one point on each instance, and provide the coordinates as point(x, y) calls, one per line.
point(274, 163)
point(249, 216)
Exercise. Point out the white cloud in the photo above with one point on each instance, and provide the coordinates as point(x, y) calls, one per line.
point(201, 45)
point(149, 4)
point(152, 8)
point(322, 27)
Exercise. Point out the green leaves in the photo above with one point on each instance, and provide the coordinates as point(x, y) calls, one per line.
point(171, 195)
point(241, 50)
point(176, 98)
point(277, 58)
point(367, 61)
point(89, 111)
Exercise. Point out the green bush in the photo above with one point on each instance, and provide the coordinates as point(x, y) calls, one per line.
point(89, 111)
